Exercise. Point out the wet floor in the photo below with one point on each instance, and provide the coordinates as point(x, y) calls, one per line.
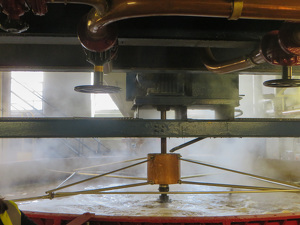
point(180, 205)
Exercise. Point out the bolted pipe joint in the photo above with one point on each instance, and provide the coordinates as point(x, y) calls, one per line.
point(96, 38)
point(14, 9)
point(289, 38)
point(275, 50)
point(13, 26)
point(282, 47)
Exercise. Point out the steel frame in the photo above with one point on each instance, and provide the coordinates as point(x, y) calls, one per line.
point(120, 127)
point(289, 186)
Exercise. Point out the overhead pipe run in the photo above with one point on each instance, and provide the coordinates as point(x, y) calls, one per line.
point(241, 63)
point(279, 47)
point(98, 21)
point(97, 34)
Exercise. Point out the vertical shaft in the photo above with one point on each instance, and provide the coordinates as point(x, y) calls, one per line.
point(98, 75)
point(287, 72)
point(163, 116)
point(163, 146)
point(163, 198)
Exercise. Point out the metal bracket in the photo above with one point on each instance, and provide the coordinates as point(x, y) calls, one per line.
point(237, 9)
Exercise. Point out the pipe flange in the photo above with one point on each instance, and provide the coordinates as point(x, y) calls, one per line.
point(38, 7)
point(14, 26)
point(101, 58)
point(289, 37)
point(105, 38)
point(274, 54)
point(14, 9)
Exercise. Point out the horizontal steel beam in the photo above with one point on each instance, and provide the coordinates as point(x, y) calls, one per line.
point(186, 43)
point(38, 40)
point(104, 127)
point(26, 57)
point(154, 42)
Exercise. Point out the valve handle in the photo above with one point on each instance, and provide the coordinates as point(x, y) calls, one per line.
point(286, 81)
point(98, 87)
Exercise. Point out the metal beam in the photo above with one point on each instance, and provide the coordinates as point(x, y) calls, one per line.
point(153, 42)
point(68, 57)
point(100, 127)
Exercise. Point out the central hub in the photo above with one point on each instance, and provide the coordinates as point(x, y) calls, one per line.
point(163, 168)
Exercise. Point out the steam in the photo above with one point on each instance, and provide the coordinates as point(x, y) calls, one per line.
point(30, 166)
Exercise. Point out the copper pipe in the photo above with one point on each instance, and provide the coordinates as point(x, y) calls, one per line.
point(106, 13)
point(252, 9)
point(271, 10)
point(125, 9)
point(244, 62)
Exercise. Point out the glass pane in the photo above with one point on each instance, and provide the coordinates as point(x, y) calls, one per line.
point(26, 91)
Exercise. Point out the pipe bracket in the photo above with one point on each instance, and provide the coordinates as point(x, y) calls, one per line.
point(237, 9)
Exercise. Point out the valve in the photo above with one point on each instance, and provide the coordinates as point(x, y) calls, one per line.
point(98, 59)
point(289, 37)
point(13, 26)
point(286, 80)
point(282, 47)
point(98, 41)
point(14, 9)
point(273, 52)
point(38, 7)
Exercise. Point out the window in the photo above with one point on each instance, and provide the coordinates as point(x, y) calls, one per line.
point(103, 105)
point(26, 91)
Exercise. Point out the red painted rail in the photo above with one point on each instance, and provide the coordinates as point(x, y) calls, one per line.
point(74, 219)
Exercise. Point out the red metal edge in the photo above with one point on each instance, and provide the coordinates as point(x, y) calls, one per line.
point(268, 219)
